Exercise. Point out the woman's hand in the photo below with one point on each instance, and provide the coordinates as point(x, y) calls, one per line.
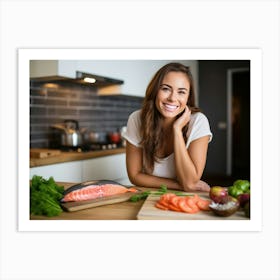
point(183, 119)
point(202, 186)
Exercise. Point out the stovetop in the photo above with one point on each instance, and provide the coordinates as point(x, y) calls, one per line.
point(90, 147)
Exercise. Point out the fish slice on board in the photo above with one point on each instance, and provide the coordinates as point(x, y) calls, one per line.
point(95, 189)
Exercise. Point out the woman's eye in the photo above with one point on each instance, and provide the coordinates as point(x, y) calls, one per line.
point(165, 88)
point(182, 92)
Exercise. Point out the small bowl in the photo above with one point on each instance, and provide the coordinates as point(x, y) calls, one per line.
point(219, 210)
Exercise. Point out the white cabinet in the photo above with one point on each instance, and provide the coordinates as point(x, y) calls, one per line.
point(61, 172)
point(109, 167)
point(52, 68)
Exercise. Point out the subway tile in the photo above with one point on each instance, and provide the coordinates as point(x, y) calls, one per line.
point(64, 111)
point(35, 111)
point(50, 105)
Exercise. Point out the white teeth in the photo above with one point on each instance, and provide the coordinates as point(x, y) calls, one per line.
point(170, 107)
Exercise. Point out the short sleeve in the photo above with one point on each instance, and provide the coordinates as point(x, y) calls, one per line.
point(198, 127)
point(132, 134)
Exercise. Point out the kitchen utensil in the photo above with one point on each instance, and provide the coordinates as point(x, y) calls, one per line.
point(149, 212)
point(92, 137)
point(123, 131)
point(70, 136)
point(115, 137)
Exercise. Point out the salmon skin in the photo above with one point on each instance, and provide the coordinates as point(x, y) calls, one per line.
point(94, 189)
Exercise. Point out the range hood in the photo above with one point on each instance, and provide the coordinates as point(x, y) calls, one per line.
point(82, 78)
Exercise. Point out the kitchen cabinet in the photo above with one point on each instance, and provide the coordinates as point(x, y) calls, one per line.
point(53, 68)
point(111, 167)
point(63, 172)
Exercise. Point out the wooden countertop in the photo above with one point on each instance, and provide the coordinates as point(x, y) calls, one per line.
point(73, 156)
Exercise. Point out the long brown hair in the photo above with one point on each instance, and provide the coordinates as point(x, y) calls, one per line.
point(151, 119)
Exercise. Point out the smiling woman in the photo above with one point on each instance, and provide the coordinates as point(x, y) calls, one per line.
point(167, 140)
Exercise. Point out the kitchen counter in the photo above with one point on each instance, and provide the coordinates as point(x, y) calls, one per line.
point(73, 156)
point(128, 210)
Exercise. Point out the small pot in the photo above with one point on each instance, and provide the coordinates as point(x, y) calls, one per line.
point(71, 139)
point(70, 134)
point(92, 137)
point(115, 137)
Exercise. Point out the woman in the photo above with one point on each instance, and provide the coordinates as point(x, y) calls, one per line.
point(167, 140)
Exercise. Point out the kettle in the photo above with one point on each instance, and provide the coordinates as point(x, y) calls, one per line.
point(70, 133)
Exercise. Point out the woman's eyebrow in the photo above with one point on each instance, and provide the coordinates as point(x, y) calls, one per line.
point(166, 85)
point(171, 87)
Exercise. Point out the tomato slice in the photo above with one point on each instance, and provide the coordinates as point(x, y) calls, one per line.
point(192, 203)
point(203, 204)
point(161, 206)
point(185, 207)
point(175, 200)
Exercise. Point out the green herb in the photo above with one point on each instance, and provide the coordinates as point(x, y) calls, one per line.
point(162, 190)
point(137, 197)
point(45, 196)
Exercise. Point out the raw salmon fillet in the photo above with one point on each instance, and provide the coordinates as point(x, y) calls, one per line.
point(95, 189)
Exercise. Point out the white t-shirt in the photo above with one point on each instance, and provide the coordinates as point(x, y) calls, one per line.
point(165, 167)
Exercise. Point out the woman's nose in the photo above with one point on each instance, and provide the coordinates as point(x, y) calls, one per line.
point(171, 96)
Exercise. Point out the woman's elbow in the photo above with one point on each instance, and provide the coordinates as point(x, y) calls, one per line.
point(189, 186)
point(132, 178)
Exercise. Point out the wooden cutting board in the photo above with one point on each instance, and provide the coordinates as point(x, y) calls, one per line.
point(43, 153)
point(80, 205)
point(150, 212)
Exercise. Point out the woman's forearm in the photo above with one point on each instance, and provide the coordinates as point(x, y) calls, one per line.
point(185, 169)
point(145, 180)
point(188, 174)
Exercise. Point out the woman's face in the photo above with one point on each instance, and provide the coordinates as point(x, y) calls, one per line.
point(173, 94)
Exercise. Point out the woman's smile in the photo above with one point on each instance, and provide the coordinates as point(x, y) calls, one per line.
point(170, 107)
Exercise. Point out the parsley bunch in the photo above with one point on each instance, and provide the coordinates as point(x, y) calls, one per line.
point(45, 196)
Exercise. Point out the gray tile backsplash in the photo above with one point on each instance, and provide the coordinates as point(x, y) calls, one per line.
point(55, 102)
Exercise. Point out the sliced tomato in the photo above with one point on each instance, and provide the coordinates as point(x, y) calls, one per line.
point(168, 195)
point(196, 198)
point(185, 207)
point(164, 200)
point(175, 200)
point(160, 206)
point(203, 204)
point(192, 203)
point(174, 208)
